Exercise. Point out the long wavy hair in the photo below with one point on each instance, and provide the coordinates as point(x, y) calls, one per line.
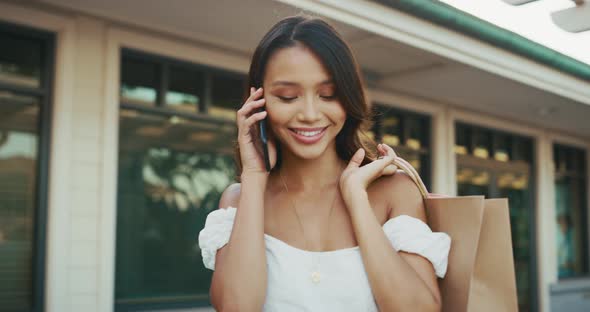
point(335, 54)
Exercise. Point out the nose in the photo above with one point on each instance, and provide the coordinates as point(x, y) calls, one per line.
point(309, 111)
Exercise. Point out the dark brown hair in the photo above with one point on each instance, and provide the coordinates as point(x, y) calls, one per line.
point(325, 42)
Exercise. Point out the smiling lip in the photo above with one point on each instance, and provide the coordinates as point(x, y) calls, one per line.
point(308, 135)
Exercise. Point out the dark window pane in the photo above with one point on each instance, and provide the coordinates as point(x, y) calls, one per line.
point(522, 149)
point(20, 60)
point(19, 116)
point(571, 213)
point(408, 133)
point(473, 181)
point(482, 140)
point(391, 127)
point(185, 89)
point(505, 177)
point(501, 147)
point(519, 197)
point(139, 81)
point(416, 133)
point(172, 172)
point(226, 96)
point(462, 139)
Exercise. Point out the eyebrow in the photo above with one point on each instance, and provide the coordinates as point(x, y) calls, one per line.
point(290, 83)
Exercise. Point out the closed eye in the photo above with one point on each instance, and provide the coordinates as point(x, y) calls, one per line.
point(286, 99)
point(329, 98)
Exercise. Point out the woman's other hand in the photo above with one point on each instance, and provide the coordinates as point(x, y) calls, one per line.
point(250, 144)
point(356, 178)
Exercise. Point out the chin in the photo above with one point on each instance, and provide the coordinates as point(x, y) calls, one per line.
point(308, 152)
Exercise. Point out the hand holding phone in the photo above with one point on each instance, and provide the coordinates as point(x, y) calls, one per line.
point(257, 150)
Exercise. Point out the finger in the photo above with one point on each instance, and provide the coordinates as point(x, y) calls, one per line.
point(250, 106)
point(388, 150)
point(254, 94)
point(254, 118)
point(357, 159)
point(389, 170)
point(374, 169)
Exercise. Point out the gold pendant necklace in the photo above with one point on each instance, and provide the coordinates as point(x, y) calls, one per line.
point(315, 274)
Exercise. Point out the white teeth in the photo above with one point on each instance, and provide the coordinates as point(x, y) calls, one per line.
point(308, 133)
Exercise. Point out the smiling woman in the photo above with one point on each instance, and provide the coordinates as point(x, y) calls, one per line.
point(320, 231)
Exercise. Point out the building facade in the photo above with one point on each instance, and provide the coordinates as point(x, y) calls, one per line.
point(117, 130)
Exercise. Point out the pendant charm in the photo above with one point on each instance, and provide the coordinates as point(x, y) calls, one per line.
point(315, 277)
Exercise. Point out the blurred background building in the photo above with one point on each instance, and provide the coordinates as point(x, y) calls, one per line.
point(117, 127)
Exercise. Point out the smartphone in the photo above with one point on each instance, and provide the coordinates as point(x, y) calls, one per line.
point(264, 139)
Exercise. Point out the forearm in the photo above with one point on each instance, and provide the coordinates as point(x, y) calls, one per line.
point(395, 284)
point(245, 260)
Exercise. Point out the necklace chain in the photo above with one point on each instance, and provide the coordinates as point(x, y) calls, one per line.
point(315, 276)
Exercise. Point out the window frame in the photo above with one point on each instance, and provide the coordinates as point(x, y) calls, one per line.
point(164, 63)
point(45, 95)
point(160, 108)
point(582, 178)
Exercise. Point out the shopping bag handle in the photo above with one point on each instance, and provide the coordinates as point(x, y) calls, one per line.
point(412, 173)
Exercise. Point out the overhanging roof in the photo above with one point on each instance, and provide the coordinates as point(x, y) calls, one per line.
point(457, 20)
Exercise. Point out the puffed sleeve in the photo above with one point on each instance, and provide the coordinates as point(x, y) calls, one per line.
point(215, 234)
point(412, 235)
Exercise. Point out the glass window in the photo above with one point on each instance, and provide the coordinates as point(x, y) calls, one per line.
point(571, 211)
point(185, 89)
point(502, 147)
point(139, 81)
point(407, 133)
point(462, 139)
point(481, 143)
point(171, 176)
point(487, 165)
point(20, 61)
point(23, 115)
point(226, 96)
point(174, 163)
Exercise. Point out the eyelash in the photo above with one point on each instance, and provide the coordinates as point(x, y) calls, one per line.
point(284, 99)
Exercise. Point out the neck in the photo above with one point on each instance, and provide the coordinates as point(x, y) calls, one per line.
point(311, 175)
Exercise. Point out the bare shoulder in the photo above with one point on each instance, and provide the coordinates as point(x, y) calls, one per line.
point(231, 196)
point(402, 195)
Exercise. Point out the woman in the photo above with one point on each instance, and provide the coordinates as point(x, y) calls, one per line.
point(322, 230)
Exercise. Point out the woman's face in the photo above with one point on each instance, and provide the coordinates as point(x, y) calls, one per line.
point(303, 111)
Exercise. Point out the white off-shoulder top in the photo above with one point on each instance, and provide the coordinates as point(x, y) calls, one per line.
point(343, 284)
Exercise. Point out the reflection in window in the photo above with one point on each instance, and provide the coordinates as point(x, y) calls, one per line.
point(19, 117)
point(490, 164)
point(473, 180)
point(226, 96)
point(20, 61)
point(171, 175)
point(185, 89)
point(409, 135)
point(139, 81)
point(570, 211)
point(175, 160)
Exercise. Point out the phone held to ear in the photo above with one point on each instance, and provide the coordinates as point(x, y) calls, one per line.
point(264, 139)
